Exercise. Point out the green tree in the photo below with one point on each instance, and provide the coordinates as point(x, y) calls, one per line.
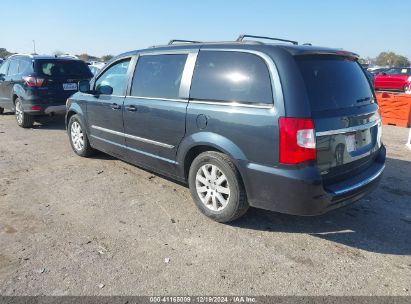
point(391, 59)
point(4, 53)
point(58, 53)
point(106, 58)
point(84, 57)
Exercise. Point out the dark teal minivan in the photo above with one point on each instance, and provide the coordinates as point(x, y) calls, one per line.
point(279, 126)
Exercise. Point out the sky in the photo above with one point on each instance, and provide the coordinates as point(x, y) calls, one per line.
point(102, 27)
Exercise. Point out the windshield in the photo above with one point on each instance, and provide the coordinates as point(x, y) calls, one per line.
point(63, 68)
point(334, 82)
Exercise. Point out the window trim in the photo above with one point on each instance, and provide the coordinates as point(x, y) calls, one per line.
point(186, 77)
point(276, 89)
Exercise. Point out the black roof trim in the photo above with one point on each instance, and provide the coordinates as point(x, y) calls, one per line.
point(241, 38)
point(182, 41)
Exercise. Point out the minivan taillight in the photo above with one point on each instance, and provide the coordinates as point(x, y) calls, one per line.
point(297, 140)
point(33, 81)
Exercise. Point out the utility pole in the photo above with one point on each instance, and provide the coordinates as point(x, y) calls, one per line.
point(34, 46)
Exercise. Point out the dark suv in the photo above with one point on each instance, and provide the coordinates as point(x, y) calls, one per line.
point(39, 85)
point(288, 128)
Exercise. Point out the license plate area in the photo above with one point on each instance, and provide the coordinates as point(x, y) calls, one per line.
point(350, 143)
point(70, 86)
point(357, 141)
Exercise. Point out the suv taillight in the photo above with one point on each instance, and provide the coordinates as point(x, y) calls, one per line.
point(33, 81)
point(297, 140)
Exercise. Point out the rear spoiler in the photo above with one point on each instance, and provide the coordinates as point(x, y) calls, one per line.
point(328, 53)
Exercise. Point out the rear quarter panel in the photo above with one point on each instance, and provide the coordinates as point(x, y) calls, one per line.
point(77, 104)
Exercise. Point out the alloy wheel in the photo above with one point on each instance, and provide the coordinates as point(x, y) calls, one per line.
point(77, 136)
point(212, 187)
point(19, 112)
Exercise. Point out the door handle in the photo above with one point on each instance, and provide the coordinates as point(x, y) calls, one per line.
point(115, 106)
point(131, 108)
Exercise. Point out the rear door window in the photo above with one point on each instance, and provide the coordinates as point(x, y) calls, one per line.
point(231, 77)
point(158, 76)
point(334, 83)
point(13, 68)
point(25, 67)
point(61, 68)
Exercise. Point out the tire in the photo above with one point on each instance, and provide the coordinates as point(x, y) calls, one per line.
point(24, 120)
point(1, 110)
point(78, 137)
point(213, 199)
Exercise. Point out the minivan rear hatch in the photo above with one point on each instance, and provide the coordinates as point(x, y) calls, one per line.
point(346, 117)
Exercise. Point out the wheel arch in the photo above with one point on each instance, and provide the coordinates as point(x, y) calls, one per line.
point(196, 144)
point(75, 109)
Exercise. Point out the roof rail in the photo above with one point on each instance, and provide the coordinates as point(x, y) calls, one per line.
point(241, 38)
point(182, 41)
point(14, 55)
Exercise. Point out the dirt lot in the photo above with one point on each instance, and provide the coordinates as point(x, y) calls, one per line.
point(99, 226)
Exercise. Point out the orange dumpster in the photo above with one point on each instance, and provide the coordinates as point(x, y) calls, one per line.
point(395, 109)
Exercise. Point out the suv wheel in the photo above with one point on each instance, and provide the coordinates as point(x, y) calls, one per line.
point(78, 137)
point(24, 120)
point(1, 110)
point(216, 187)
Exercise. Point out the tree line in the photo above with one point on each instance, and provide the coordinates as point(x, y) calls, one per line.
point(383, 59)
point(389, 59)
point(4, 53)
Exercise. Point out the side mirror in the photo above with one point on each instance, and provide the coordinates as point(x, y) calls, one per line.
point(84, 86)
point(384, 74)
point(105, 90)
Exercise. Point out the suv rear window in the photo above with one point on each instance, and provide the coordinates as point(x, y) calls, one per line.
point(63, 68)
point(334, 82)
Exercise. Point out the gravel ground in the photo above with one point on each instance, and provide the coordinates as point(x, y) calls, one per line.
point(99, 226)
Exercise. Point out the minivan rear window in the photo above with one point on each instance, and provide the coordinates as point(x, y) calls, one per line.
point(231, 77)
point(63, 68)
point(334, 83)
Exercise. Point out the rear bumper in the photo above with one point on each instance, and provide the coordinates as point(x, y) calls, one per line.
point(301, 191)
point(54, 108)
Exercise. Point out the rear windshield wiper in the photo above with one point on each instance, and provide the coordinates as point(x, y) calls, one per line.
point(365, 99)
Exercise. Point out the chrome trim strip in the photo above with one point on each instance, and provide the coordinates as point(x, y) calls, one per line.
point(154, 52)
point(362, 183)
point(119, 96)
point(149, 141)
point(350, 129)
point(137, 151)
point(158, 98)
point(232, 104)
